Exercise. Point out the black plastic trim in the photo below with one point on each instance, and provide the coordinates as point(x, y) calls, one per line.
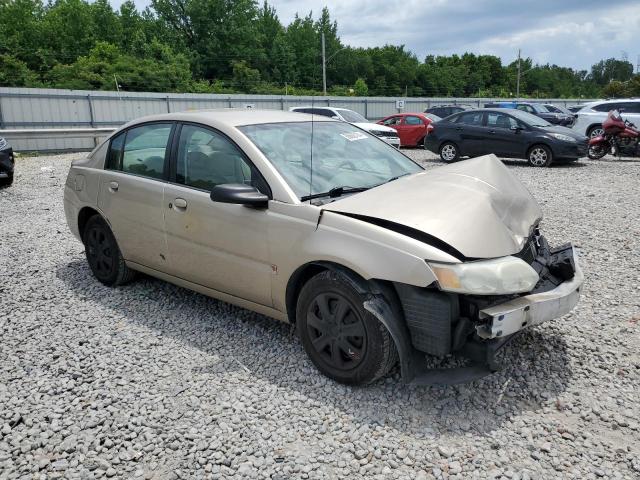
point(409, 232)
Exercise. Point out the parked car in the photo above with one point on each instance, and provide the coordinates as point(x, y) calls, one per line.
point(7, 163)
point(443, 111)
point(411, 127)
point(322, 225)
point(562, 110)
point(387, 134)
point(536, 109)
point(576, 108)
point(590, 117)
point(507, 133)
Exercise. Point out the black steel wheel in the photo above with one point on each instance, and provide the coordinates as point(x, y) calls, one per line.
point(103, 254)
point(345, 341)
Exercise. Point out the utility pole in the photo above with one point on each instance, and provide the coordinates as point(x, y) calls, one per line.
point(518, 80)
point(324, 69)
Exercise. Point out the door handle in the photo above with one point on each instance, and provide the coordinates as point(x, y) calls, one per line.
point(113, 186)
point(492, 131)
point(180, 203)
point(458, 128)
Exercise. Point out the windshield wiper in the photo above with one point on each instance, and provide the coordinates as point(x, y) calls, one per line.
point(335, 192)
point(397, 177)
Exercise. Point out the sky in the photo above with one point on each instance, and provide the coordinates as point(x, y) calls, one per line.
point(572, 33)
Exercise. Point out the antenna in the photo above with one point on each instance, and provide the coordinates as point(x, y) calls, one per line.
point(313, 104)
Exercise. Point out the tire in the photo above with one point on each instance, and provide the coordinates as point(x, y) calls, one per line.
point(596, 152)
point(328, 308)
point(540, 156)
point(449, 152)
point(595, 131)
point(6, 182)
point(103, 255)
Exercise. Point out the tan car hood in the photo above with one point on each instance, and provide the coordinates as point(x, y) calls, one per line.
point(476, 208)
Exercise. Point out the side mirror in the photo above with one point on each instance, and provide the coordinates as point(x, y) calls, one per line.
point(517, 128)
point(336, 117)
point(240, 194)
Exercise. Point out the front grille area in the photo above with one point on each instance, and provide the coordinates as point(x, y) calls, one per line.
point(379, 133)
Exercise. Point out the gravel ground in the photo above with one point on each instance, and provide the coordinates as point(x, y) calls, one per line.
point(153, 381)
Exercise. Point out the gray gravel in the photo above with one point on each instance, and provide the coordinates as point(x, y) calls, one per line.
point(153, 381)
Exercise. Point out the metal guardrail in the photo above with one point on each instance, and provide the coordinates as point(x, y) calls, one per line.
point(56, 132)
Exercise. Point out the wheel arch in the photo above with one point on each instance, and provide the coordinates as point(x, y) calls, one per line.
point(84, 215)
point(305, 272)
point(591, 127)
point(383, 302)
point(537, 143)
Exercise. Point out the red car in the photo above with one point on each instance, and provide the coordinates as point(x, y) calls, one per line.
point(411, 127)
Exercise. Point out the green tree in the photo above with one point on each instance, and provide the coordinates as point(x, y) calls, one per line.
point(360, 88)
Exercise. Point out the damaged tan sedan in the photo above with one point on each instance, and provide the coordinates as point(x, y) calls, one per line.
point(318, 223)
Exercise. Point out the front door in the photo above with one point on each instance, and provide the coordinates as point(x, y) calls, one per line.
point(217, 245)
point(503, 135)
point(131, 192)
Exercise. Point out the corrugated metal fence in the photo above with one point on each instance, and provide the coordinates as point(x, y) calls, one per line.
point(32, 108)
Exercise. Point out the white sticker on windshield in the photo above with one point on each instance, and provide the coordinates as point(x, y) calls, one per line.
point(353, 136)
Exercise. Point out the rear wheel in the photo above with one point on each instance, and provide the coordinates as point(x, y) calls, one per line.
point(344, 340)
point(449, 152)
point(103, 254)
point(540, 156)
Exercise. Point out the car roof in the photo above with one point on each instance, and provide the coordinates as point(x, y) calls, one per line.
point(233, 117)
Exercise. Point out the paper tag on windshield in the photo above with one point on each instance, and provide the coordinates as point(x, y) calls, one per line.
point(353, 136)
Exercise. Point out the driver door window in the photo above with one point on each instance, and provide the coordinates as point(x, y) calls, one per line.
point(500, 120)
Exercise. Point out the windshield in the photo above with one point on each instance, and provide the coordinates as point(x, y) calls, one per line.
point(529, 118)
point(352, 117)
point(343, 155)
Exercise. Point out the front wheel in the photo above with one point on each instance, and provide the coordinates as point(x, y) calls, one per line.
point(449, 152)
point(595, 131)
point(540, 156)
point(598, 151)
point(103, 254)
point(344, 340)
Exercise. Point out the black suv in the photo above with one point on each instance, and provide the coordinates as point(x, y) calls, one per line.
point(444, 111)
point(7, 163)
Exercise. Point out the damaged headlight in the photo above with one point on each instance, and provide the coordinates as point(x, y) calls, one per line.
point(497, 276)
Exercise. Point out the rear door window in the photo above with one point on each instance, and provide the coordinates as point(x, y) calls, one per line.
point(607, 107)
point(141, 150)
point(411, 120)
point(470, 118)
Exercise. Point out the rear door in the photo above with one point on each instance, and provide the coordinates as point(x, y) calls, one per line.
point(414, 130)
point(131, 192)
point(471, 134)
point(218, 245)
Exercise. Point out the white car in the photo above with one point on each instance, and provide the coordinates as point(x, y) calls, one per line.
point(388, 134)
point(590, 117)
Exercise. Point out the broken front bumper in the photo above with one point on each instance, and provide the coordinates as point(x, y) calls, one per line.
point(514, 315)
